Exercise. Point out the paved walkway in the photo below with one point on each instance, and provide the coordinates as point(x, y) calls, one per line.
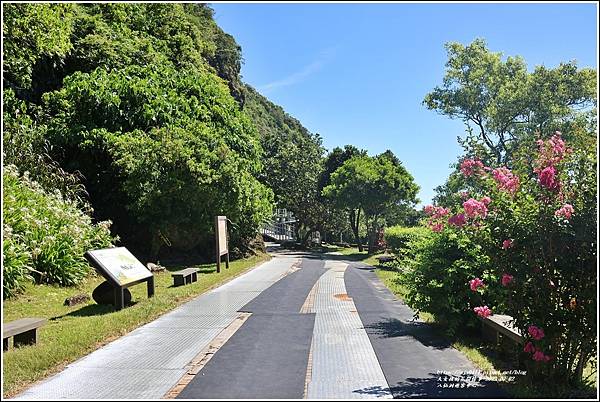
point(314, 327)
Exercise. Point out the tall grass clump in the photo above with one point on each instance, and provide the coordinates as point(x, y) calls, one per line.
point(44, 235)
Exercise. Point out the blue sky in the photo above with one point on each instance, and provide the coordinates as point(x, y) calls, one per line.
point(357, 73)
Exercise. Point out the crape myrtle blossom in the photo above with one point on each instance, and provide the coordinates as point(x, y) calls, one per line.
point(539, 356)
point(436, 213)
point(483, 311)
point(506, 180)
point(474, 208)
point(535, 332)
point(506, 244)
point(506, 279)
point(529, 348)
point(548, 179)
point(469, 167)
point(458, 220)
point(565, 211)
point(550, 153)
point(475, 284)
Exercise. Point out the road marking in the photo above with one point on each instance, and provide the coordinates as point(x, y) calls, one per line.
point(343, 364)
point(206, 354)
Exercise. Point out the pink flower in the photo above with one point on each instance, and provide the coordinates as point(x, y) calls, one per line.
point(548, 178)
point(506, 244)
point(474, 208)
point(552, 151)
point(438, 227)
point(535, 332)
point(469, 167)
point(506, 279)
point(486, 200)
point(529, 348)
point(558, 145)
point(565, 211)
point(476, 283)
point(458, 220)
point(483, 311)
point(506, 180)
point(436, 212)
point(539, 356)
point(464, 195)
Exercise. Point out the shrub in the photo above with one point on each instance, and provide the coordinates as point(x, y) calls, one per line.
point(537, 224)
point(400, 239)
point(45, 236)
point(439, 266)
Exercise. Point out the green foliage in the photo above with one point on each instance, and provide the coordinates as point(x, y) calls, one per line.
point(45, 236)
point(553, 259)
point(372, 185)
point(439, 267)
point(30, 32)
point(401, 239)
point(502, 103)
point(26, 147)
point(171, 145)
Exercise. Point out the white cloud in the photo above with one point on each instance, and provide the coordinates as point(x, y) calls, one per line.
point(299, 76)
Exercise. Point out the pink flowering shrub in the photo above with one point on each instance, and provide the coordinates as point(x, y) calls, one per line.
point(542, 211)
point(565, 211)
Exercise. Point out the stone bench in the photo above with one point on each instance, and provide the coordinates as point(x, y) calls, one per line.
point(497, 325)
point(185, 276)
point(23, 331)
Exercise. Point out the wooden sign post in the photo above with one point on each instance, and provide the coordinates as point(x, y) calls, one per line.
point(221, 239)
point(121, 269)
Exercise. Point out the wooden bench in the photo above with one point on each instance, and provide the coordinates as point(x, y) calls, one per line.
point(386, 258)
point(23, 331)
point(185, 276)
point(497, 325)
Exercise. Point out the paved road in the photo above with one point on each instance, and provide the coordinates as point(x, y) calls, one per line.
point(314, 326)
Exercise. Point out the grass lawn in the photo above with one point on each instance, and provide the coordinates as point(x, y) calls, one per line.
point(73, 332)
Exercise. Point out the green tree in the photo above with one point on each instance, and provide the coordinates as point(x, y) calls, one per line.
point(502, 103)
point(162, 150)
point(371, 185)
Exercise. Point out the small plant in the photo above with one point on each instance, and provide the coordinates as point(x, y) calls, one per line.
point(45, 236)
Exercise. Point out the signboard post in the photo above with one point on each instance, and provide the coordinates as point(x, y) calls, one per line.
point(221, 239)
point(121, 269)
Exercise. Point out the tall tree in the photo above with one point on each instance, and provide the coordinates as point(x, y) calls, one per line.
point(372, 185)
point(501, 102)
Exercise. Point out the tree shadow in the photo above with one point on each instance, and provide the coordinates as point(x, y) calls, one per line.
point(376, 391)
point(461, 386)
point(426, 334)
point(91, 310)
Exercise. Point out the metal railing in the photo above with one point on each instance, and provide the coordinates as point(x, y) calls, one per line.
point(281, 227)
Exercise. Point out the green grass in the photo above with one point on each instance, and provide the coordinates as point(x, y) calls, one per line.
point(73, 332)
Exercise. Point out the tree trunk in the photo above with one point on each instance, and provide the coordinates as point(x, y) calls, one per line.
point(305, 238)
point(372, 229)
point(354, 221)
